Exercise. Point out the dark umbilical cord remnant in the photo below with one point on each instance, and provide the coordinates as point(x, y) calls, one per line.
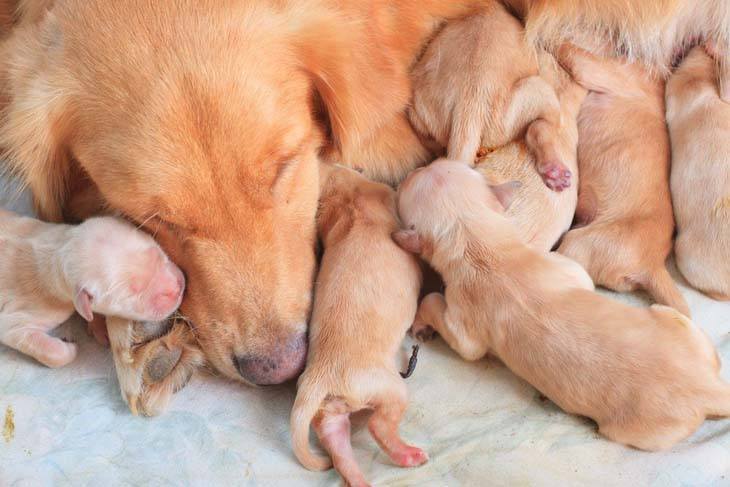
point(411, 363)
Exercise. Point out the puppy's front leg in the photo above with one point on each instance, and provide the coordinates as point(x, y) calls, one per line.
point(722, 57)
point(541, 139)
point(433, 313)
point(50, 351)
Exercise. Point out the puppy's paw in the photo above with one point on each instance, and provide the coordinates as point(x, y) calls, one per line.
point(422, 331)
point(556, 176)
point(410, 456)
point(153, 361)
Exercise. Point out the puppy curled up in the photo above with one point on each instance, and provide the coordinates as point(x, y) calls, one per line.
point(699, 128)
point(647, 376)
point(102, 266)
point(624, 213)
point(365, 300)
point(478, 84)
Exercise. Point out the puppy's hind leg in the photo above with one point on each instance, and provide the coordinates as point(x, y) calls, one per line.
point(333, 430)
point(384, 424)
point(541, 138)
point(50, 351)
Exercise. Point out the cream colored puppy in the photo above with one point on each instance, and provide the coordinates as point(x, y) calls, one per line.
point(102, 266)
point(540, 215)
point(624, 204)
point(647, 376)
point(365, 301)
point(478, 85)
point(699, 128)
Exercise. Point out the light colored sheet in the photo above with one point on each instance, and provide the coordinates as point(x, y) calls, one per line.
point(480, 425)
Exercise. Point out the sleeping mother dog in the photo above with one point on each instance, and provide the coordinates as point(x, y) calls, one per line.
point(203, 121)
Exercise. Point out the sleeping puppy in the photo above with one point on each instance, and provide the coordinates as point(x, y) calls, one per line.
point(699, 128)
point(654, 32)
point(624, 206)
point(365, 301)
point(478, 85)
point(541, 215)
point(102, 266)
point(648, 377)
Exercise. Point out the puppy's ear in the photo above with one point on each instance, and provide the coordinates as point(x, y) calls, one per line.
point(506, 192)
point(82, 303)
point(359, 82)
point(408, 240)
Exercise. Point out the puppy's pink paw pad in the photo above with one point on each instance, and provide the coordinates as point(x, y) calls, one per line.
point(556, 176)
point(410, 457)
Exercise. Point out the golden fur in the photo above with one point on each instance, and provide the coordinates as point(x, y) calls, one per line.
point(624, 205)
point(203, 121)
point(648, 377)
point(699, 128)
point(365, 301)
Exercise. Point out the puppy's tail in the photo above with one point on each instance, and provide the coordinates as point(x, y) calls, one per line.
point(664, 290)
point(309, 400)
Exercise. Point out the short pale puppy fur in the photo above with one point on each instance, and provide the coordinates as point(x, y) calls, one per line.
point(365, 301)
point(102, 266)
point(540, 215)
point(478, 85)
point(699, 128)
point(624, 214)
point(647, 376)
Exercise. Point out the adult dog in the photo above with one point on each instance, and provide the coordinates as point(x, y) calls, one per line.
point(203, 120)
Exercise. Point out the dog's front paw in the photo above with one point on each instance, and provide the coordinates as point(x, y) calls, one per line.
point(153, 361)
point(422, 332)
point(556, 176)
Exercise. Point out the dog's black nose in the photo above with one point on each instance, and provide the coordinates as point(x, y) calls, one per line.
point(286, 361)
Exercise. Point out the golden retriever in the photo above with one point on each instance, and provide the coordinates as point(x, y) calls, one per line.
point(203, 120)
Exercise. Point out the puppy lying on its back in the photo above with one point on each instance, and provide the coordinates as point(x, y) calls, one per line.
point(478, 85)
point(365, 301)
point(699, 127)
point(540, 215)
point(648, 377)
point(101, 266)
point(624, 204)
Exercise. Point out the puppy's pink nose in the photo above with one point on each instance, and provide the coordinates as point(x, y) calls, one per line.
point(168, 290)
point(283, 363)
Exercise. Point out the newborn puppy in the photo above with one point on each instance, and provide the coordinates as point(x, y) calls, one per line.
point(647, 376)
point(102, 266)
point(478, 85)
point(365, 301)
point(624, 205)
point(540, 215)
point(699, 128)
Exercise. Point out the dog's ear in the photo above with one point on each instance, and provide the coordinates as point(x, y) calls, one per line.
point(506, 192)
point(82, 303)
point(408, 240)
point(359, 83)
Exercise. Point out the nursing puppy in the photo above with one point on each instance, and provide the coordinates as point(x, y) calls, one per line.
point(699, 128)
point(365, 301)
point(540, 215)
point(101, 266)
point(624, 205)
point(648, 377)
point(478, 84)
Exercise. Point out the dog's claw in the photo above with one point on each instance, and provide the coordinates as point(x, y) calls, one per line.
point(422, 332)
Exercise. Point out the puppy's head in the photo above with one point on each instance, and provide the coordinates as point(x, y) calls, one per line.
point(434, 199)
point(208, 133)
point(118, 270)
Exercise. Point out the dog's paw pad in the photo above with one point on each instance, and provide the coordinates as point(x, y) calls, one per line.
point(161, 365)
point(556, 176)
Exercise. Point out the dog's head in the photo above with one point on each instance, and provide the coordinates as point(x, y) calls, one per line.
point(207, 131)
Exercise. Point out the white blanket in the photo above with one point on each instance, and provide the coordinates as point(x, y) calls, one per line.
point(479, 423)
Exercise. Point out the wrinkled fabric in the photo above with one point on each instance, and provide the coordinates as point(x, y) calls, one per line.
point(479, 423)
